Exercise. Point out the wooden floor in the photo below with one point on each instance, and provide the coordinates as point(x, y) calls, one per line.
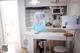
point(23, 50)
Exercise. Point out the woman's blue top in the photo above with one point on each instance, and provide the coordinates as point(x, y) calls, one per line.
point(39, 27)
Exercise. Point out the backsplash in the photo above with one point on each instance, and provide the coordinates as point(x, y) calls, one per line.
point(51, 18)
point(30, 13)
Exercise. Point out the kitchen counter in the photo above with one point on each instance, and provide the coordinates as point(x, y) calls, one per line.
point(53, 34)
point(30, 36)
point(50, 33)
point(46, 35)
point(50, 29)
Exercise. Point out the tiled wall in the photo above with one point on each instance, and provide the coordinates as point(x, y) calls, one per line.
point(30, 13)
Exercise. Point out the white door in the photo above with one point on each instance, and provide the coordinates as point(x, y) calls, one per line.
point(10, 19)
point(1, 34)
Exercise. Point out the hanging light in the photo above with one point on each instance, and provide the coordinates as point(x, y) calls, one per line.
point(34, 2)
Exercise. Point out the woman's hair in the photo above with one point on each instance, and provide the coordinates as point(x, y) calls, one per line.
point(39, 14)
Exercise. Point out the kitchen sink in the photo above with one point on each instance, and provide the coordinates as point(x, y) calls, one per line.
point(56, 30)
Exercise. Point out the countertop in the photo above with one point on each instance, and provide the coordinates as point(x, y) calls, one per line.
point(50, 33)
point(45, 35)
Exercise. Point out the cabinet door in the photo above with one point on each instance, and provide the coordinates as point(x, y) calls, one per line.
point(63, 1)
point(43, 2)
point(58, 1)
point(53, 1)
point(74, 1)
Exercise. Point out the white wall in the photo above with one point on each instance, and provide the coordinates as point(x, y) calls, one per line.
point(21, 11)
point(74, 9)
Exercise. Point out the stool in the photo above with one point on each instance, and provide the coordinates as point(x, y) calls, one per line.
point(69, 40)
point(59, 49)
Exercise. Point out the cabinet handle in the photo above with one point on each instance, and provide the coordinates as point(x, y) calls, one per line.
point(57, 1)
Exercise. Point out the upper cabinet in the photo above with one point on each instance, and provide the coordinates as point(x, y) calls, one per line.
point(58, 2)
point(51, 3)
point(73, 1)
point(42, 3)
point(64, 2)
point(47, 3)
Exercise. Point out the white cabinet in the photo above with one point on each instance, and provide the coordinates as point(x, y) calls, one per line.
point(73, 1)
point(53, 1)
point(46, 3)
point(25, 41)
point(42, 3)
point(63, 1)
point(58, 2)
